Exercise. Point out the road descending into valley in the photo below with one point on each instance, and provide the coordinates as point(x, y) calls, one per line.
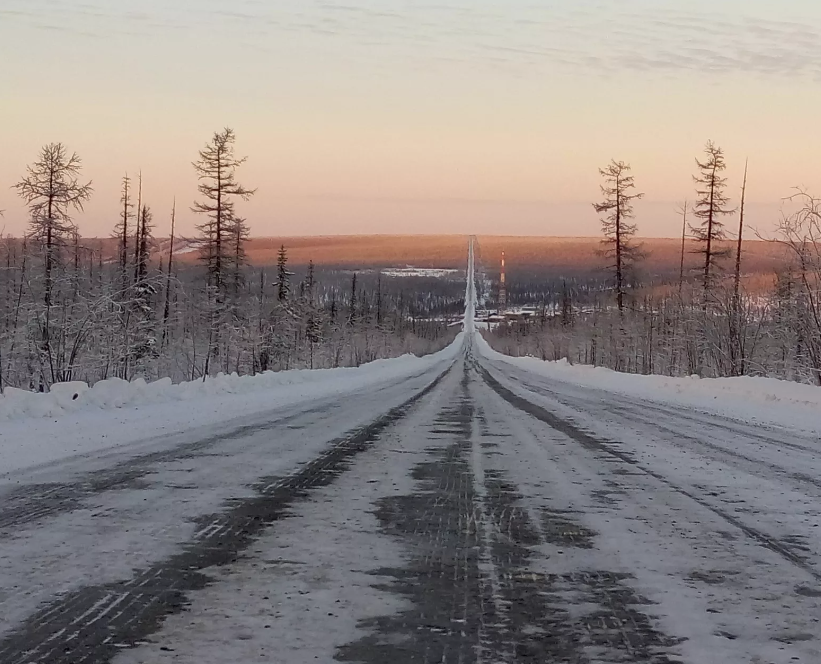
point(474, 512)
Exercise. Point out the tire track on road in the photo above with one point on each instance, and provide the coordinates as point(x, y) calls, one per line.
point(595, 444)
point(29, 505)
point(94, 623)
point(470, 579)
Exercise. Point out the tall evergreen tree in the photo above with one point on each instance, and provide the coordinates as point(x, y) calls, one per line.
point(216, 171)
point(283, 276)
point(52, 192)
point(618, 245)
point(144, 334)
point(310, 279)
point(240, 258)
point(352, 310)
point(144, 232)
point(711, 205)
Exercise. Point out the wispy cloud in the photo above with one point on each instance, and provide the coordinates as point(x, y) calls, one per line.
point(601, 35)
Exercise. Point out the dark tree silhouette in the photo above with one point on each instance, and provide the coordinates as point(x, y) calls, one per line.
point(711, 205)
point(216, 170)
point(52, 192)
point(617, 207)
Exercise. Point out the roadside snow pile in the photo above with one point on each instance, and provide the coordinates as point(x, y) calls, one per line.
point(115, 417)
point(113, 393)
point(747, 397)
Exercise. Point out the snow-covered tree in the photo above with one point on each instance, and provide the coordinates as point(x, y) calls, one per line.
point(221, 241)
point(52, 191)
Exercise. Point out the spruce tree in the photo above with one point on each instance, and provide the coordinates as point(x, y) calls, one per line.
point(283, 276)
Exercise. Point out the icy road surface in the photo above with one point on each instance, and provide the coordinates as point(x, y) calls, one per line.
point(474, 513)
point(468, 511)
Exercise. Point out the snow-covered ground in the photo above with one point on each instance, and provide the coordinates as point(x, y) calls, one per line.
point(74, 419)
point(759, 400)
point(150, 475)
point(465, 507)
point(428, 272)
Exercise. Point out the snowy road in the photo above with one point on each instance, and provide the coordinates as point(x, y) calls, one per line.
point(468, 511)
point(487, 515)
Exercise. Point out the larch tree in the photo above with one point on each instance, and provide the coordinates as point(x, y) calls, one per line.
point(216, 171)
point(619, 247)
point(240, 235)
point(144, 232)
point(52, 191)
point(739, 243)
point(736, 318)
point(136, 239)
point(144, 342)
point(168, 275)
point(683, 210)
point(123, 228)
point(710, 207)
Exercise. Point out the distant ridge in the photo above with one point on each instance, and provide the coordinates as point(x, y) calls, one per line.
point(571, 254)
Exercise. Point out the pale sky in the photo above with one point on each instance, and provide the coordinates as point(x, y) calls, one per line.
point(456, 116)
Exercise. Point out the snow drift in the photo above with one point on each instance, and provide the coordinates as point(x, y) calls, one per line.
point(75, 419)
point(754, 399)
point(111, 393)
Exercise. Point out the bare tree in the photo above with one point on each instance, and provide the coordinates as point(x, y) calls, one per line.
point(144, 231)
point(736, 319)
point(240, 236)
point(52, 192)
point(740, 239)
point(683, 210)
point(800, 233)
point(137, 226)
point(167, 307)
point(122, 229)
point(619, 248)
point(711, 205)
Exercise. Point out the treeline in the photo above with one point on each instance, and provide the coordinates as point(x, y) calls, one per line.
point(70, 312)
point(707, 322)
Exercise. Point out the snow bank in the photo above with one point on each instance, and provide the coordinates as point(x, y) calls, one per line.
point(118, 393)
point(123, 418)
point(747, 398)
